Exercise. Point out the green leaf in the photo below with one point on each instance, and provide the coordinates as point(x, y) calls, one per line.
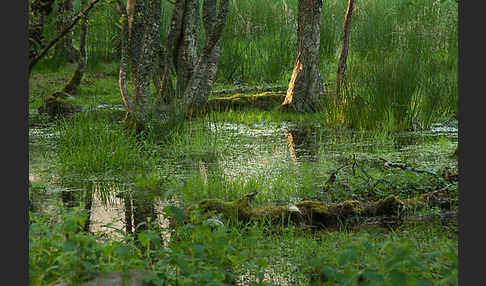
point(176, 212)
point(330, 272)
point(348, 255)
point(399, 256)
point(143, 238)
point(122, 251)
point(373, 276)
point(398, 278)
point(70, 245)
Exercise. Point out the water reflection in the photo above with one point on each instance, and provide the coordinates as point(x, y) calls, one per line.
point(239, 151)
point(302, 143)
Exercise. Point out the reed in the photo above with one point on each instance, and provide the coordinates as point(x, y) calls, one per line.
point(402, 63)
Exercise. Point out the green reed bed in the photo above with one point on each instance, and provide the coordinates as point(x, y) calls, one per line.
point(91, 144)
point(402, 71)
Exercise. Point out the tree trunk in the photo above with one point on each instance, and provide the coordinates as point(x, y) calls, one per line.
point(306, 85)
point(314, 214)
point(73, 84)
point(186, 57)
point(344, 50)
point(195, 74)
point(64, 48)
point(200, 85)
point(138, 47)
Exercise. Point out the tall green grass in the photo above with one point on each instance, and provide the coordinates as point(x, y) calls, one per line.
point(402, 71)
point(402, 64)
point(92, 145)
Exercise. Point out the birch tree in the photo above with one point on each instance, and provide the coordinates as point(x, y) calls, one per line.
point(195, 73)
point(138, 48)
point(305, 86)
point(345, 46)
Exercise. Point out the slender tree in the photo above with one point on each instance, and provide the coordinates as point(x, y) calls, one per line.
point(73, 84)
point(64, 48)
point(305, 85)
point(206, 68)
point(344, 50)
point(138, 47)
point(195, 73)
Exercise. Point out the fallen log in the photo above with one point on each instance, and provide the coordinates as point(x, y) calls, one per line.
point(250, 89)
point(310, 213)
point(265, 100)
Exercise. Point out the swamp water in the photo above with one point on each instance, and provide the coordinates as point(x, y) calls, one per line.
point(285, 162)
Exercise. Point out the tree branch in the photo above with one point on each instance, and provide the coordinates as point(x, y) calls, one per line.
point(62, 34)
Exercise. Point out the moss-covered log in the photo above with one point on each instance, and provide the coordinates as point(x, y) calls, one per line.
point(265, 100)
point(275, 88)
point(310, 213)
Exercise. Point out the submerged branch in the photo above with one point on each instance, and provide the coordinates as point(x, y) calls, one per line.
point(389, 164)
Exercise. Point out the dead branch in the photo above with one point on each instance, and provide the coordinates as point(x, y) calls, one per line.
point(389, 164)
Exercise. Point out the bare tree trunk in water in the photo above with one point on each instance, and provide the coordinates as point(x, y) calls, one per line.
point(205, 71)
point(186, 57)
point(64, 48)
point(75, 81)
point(305, 86)
point(195, 74)
point(138, 47)
point(344, 50)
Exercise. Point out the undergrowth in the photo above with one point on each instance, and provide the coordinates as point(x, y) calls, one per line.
point(218, 255)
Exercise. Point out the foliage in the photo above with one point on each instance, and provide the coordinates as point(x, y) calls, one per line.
point(397, 262)
point(219, 254)
point(61, 250)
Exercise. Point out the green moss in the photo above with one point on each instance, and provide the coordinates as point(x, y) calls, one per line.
point(390, 205)
point(265, 100)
